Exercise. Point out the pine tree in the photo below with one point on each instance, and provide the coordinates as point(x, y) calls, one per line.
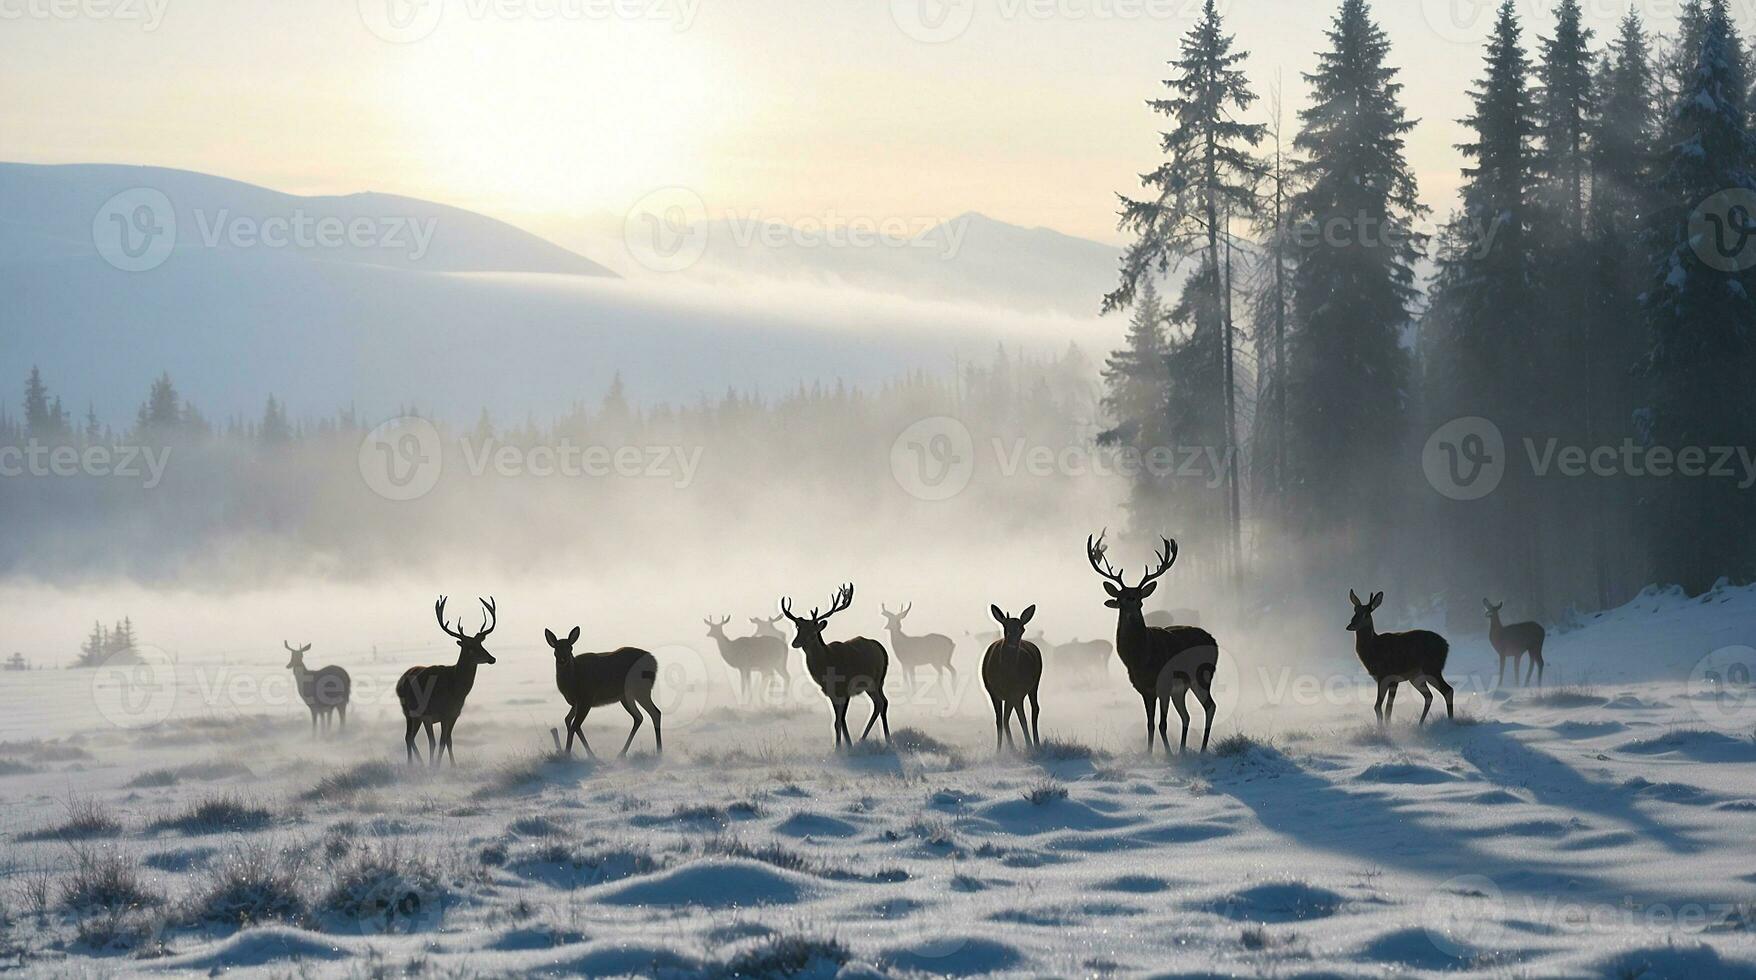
point(274, 430)
point(1354, 286)
point(40, 416)
point(1134, 376)
point(163, 411)
point(1701, 307)
point(1565, 108)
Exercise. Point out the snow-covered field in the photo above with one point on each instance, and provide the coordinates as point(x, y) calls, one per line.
point(1600, 829)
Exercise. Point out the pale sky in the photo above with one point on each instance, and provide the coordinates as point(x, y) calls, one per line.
point(555, 114)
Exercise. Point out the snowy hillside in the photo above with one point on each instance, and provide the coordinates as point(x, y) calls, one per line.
point(1581, 831)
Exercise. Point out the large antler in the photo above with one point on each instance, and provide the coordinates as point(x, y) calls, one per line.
point(1166, 559)
point(439, 611)
point(1100, 563)
point(786, 609)
point(844, 597)
point(489, 618)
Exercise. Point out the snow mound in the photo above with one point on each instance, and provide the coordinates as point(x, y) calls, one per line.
point(713, 883)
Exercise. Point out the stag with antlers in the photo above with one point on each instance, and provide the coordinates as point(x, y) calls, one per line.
point(1164, 663)
point(844, 669)
point(323, 690)
point(435, 695)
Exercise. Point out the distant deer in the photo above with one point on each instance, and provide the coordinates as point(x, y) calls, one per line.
point(844, 669)
point(754, 657)
point(435, 695)
point(1515, 641)
point(927, 650)
point(1011, 671)
point(323, 690)
point(766, 627)
point(623, 676)
point(1164, 663)
point(1417, 656)
point(1085, 658)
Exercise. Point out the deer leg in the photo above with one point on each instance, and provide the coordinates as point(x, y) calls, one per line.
point(578, 722)
point(879, 705)
point(1146, 699)
point(999, 722)
point(841, 724)
point(1501, 682)
point(1036, 734)
point(432, 744)
point(568, 725)
point(1164, 722)
point(313, 722)
point(1205, 696)
point(1445, 690)
point(633, 712)
point(1180, 699)
point(1378, 706)
point(343, 709)
point(408, 739)
point(658, 735)
point(1390, 702)
point(445, 740)
point(1421, 686)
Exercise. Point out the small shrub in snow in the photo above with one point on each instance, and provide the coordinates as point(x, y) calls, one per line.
point(346, 782)
point(152, 779)
point(385, 883)
point(534, 825)
point(1568, 696)
point(86, 819)
point(1236, 744)
point(1066, 750)
point(1045, 792)
point(248, 885)
point(915, 740)
point(788, 956)
point(104, 879)
point(218, 814)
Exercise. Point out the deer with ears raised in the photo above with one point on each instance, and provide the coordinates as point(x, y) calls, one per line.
point(1417, 656)
point(323, 690)
point(1164, 663)
point(927, 650)
point(622, 676)
point(1012, 669)
point(1514, 642)
point(844, 669)
point(435, 695)
point(755, 658)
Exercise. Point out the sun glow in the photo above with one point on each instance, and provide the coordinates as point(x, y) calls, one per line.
point(581, 116)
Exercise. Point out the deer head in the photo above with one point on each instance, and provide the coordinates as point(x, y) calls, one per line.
point(717, 630)
point(1011, 628)
point(808, 630)
point(298, 653)
point(1363, 611)
point(1125, 597)
point(562, 648)
point(1492, 610)
point(471, 646)
point(893, 620)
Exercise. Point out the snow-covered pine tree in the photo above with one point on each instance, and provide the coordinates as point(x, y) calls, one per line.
point(1702, 311)
point(1352, 292)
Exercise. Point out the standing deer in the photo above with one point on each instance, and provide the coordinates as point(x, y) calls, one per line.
point(1515, 641)
point(435, 695)
point(766, 627)
point(755, 658)
point(1084, 659)
point(623, 676)
point(1164, 663)
point(1011, 671)
point(927, 650)
point(1417, 656)
point(844, 669)
point(323, 690)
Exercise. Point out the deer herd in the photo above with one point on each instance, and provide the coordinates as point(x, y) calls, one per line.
point(1165, 660)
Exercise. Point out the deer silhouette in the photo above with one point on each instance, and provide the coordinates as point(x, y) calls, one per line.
point(1515, 641)
point(1164, 663)
point(1417, 656)
point(1011, 671)
point(927, 650)
point(435, 695)
point(623, 676)
point(323, 690)
point(1082, 658)
point(844, 669)
point(754, 657)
